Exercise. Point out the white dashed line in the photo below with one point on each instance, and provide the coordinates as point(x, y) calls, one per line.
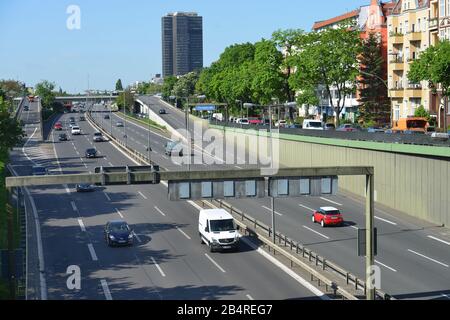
point(119, 213)
point(249, 297)
point(162, 213)
point(67, 189)
point(110, 164)
point(215, 263)
point(307, 208)
point(82, 226)
point(106, 290)
point(428, 258)
point(387, 267)
point(158, 267)
point(387, 221)
point(107, 197)
point(269, 209)
point(442, 241)
point(74, 206)
point(320, 234)
point(92, 252)
point(142, 195)
point(183, 233)
point(137, 237)
point(328, 200)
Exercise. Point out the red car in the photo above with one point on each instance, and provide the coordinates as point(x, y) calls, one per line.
point(58, 126)
point(255, 121)
point(328, 216)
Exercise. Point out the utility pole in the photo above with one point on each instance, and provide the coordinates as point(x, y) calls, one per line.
point(370, 248)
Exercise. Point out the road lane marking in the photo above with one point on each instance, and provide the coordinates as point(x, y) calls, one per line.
point(107, 197)
point(215, 263)
point(183, 233)
point(238, 167)
point(137, 237)
point(74, 206)
point(106, 290)
point(82, 226)
point(67, 189)
point(162, 213)
point(92, 252)
point(119, 213)
point(158, 267)
point(387, 221)
point(192, 203)
point(446, 296)
point(142, 195)
point(330, 201)
point(382, 264)
point(78, 153)
point(320, 234)
point(269, 209)
point(307, 208)
point(428, 258)
point(249, 297)
point(110, 164)
point(442, 241)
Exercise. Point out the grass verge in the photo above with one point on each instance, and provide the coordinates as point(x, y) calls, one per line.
point(146, 122)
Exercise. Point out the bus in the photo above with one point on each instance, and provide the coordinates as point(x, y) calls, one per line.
point(413, 124)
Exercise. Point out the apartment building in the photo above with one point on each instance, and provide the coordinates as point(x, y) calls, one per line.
point(408, 28)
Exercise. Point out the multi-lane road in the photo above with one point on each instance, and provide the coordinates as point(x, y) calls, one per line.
point(414, 256)
point(167, 260)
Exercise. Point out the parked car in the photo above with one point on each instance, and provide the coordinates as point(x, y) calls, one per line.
point(281, 124)
point(58, 126)
point(118, 232)
point(91, 153)
point(329, 126)
point(294, 126)
point(62, 137)
point(216, 228)
point(309, 124)
point(174, 148)
point(85, 187)
point(349, 127)
point(162, 111)
point(98, 137)
point(375, 130)
point(255, 121)
point(76, 131)
point(328, 216)
point(39, 171)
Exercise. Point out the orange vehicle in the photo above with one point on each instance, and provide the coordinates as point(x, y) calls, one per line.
point(30, 98)
point(411, 124)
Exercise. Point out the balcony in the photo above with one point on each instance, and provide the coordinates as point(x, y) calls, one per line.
point(414, 90)
point(396, 37)
point(433, 24)
point(397, 92)
point(415, 36)
point(396, 64)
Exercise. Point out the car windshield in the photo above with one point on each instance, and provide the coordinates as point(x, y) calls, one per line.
point(332, 212)
point(315, 124)
point(97, 134)
point(91, 150)
point(39, 169)
point(222, 225)
point(118, 227)
point(76, 128)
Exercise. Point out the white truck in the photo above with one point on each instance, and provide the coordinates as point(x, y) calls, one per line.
point(217, 229)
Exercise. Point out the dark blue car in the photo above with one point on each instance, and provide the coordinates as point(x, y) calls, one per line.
point(118, 233)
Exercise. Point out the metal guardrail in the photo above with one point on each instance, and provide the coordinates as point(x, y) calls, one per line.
point(299, 249)
point(294, 247)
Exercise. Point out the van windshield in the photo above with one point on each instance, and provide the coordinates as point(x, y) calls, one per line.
point(222, 225)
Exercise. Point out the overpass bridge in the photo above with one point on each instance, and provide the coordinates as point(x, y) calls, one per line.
point(98, 98)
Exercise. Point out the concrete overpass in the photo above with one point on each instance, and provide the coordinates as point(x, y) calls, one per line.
point(99, 98)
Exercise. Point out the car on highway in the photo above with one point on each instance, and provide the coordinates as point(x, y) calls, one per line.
point(58, 126)
point(218, 230)
point(328, 216)
point(106, 117)
point(62, 137)
point(119, 124)
point(76, 131)
point(39, 171)
point(174, 147)
point(26, 108)
point(85, 187)
point(82, 118)
point(310, 124)
point(98, 137)
point(91, 153)
point(71, 119)
point(349, 127)
point(118, 233)
point(162, 111)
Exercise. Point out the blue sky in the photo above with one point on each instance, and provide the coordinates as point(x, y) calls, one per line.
point(122, 39)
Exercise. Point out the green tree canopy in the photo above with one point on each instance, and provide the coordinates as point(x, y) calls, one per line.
point(167, 88)
point(44, 90)
point(329, 59)
point(11, 132)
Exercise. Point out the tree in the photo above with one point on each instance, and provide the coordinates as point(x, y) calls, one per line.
point(167, 88)
point(433, 66)
point(422, 113)
point(328, 59)
point(185, 86)
point(374, 103)
point(126, 99)
point(44, 90)
point(119, 86)
point(11, 132)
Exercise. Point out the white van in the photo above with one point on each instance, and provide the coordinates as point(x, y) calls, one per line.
point(217, 229)
point(312, 125)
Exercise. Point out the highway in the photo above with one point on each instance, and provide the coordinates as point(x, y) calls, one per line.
point(167, 260)
point(413, 256)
